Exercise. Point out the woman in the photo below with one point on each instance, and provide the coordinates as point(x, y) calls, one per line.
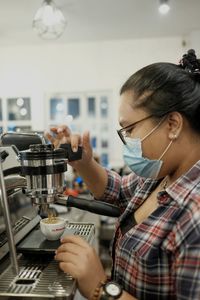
point(156, 249)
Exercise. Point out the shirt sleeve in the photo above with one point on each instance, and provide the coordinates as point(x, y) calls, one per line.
point(187, 263)
point(120, 190)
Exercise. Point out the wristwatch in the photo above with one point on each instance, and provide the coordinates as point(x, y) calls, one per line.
point(111, 290)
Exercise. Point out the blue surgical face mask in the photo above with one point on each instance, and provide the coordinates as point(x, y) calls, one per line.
point(140, 165)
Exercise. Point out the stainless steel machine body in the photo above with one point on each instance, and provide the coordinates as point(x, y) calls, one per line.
point(38, 275)
point(31, 179)
point(44, 168)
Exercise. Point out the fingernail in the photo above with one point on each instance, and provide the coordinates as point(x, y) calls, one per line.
point(74, 148)
point(59, 130)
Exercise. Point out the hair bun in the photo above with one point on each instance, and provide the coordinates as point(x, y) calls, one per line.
point(190, 63)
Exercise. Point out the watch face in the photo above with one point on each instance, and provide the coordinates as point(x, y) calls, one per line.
point(113, 289)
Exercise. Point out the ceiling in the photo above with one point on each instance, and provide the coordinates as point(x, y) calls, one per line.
point(97, 20)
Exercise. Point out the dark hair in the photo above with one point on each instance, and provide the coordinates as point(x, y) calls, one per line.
point(162, 87)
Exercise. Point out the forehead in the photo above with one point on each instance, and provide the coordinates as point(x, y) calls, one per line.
point(127, 113)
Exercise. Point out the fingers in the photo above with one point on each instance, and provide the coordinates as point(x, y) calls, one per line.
point(68, 268)
point(58, 135)
point(75, 257)
point(61, 129)
point(62, 134)
point(74, 248)
point(74, 239)
point(54, 141)
point(64, 130)
point(66, 257)
point(49, 137)
point(75, 141)
point(72, 259)
point(69, 247)
point(86, 139)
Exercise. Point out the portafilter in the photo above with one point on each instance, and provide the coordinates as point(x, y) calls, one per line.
point(44, 168)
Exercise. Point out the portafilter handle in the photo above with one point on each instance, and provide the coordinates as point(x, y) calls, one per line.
point(93, 206)
point(69, 154)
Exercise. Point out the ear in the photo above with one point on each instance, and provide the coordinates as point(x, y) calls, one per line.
point(175, 125)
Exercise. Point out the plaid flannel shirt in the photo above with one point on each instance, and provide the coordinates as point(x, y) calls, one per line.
point(160, 257)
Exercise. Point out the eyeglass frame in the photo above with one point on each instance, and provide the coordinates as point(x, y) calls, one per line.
point(119, 131)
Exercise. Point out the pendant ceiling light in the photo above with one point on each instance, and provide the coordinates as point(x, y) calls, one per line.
point(49, 22)
point(164, 7)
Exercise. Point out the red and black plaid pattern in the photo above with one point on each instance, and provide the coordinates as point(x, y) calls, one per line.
point(159, 258)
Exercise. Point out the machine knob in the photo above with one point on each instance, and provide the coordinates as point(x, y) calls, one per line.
point(4, 154)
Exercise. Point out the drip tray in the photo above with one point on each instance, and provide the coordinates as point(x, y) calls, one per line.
point(40, 276)
point(37, 280)
point(37, 243)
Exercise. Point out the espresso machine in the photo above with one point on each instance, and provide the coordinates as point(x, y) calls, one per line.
point(31, 180)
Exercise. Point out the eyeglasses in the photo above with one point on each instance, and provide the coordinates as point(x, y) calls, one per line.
point(125, 131)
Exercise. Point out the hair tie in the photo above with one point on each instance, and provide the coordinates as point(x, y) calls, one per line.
point(190, 62)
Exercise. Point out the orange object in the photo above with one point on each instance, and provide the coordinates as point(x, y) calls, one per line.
point(71, 192)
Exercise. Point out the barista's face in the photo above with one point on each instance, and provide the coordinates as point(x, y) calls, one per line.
point(174, 129)
point(155, 144)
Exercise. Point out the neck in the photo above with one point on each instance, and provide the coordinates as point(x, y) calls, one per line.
point(184, 167)
point(164, 183)
point(186, 152)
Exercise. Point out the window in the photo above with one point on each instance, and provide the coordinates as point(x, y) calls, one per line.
point(104, 143)
point(104, 159)
point(15, 114)
point(91, 107)
point(94, 142)
point(18, 109)
point(73, 107)
point(56, 109)
point(15, 128)
point(104, 107)
point(89, 111)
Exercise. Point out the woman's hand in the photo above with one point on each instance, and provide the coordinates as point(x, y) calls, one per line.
point(62, 135)
point(58, 135)
point(93, 174)
point(80, 260)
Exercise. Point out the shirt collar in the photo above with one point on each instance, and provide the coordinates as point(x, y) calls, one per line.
point(179, 189)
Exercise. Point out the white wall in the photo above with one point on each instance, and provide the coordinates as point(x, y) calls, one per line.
point(34, 71)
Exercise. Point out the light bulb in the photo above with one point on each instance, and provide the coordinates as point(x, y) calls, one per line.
point(59, 107)
point(20, 102)
point(164, 7)
point(48, 15)
point(23, 111)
